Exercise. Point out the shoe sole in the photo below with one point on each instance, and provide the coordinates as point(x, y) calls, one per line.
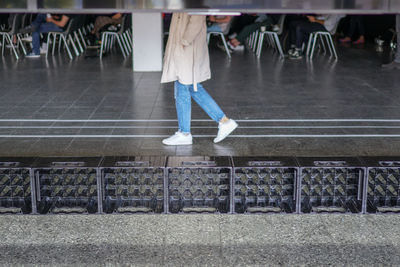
point(188, 144)
point(32, 56)
point(181, 144)
point(226, 135)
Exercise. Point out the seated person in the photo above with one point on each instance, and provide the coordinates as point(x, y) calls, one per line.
point(219, 23)
point(356, 23)
point(42, 24)
point(103, 21)
point(237, 42)
point(304, 29)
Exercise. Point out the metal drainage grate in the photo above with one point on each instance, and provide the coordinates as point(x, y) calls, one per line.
point(264, 185)
point(15, 186)
point(383, 187)
point(199, 184)
point(133, 184)
point(330, 185)
point(67, 185)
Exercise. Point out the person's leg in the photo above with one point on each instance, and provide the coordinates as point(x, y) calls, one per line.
point(40, 19)
point(249, 29)
point(183, 106)
point(303, 32)
point(358, 21)
point(207, 103)
point(43, 28)
point(100, 22)
point(225, 125)
point(353, 26)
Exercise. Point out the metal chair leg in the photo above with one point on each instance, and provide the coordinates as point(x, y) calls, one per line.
point(66, 46)
point(326, 40)
point(313, 45)
point(225, 45)
point(78, 42)
point(255, 42)
point(333, 46)
point(48, 44)
point(73, 44)
point(208, 38)
point(59, 44)
point(260, 44)
point(82, 38)
point(102, 45)
point(310, 38)
point(55, 41)
point(129, 45)
point(21, 43)
point(278, 45)
point(3, 44)
point(125, 43)
point(12, 46)
point(124, 53)
point(76, 37)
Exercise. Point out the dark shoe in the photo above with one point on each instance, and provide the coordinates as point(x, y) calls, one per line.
point(297, 54)
point(32, 55)
point(291, 51)
point(391, 66)
point(28, 29)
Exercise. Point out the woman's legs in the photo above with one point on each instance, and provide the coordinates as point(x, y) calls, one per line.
point(207, 103)
point(183, 103)
point(183, 94)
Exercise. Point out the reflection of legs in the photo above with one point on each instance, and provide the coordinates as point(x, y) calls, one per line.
point(183, 106)
point(207, 103)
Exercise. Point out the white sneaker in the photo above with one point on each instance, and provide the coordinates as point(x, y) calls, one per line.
point(43, 49)
point(236, 48)
point(224, 129)
point(178, 139)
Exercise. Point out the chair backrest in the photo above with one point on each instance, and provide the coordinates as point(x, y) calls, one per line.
point(123, 24)
point(69, 27)
point(281, 23)
point(76, 23)
point(338, 18)
point(17, 24)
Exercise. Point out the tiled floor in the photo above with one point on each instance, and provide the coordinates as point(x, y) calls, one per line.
point(88, 107)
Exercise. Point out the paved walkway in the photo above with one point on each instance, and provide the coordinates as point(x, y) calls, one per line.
point(215, 240)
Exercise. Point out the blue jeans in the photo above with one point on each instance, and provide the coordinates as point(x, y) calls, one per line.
point(214, 28)
point(183, 101)
point(41, 26)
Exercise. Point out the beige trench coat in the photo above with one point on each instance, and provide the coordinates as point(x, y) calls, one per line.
point(186, 56)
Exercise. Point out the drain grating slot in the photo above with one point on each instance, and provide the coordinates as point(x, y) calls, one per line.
point(383, 184)
point(133, 184)
point(331, 185)
point(64, 186)
point(202, 186)
point(262, 185)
